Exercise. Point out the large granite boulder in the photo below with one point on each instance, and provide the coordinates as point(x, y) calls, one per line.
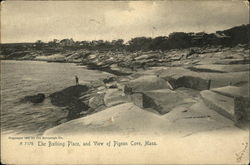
point(122, 119)
point(231, 102)
point(128, 119)
point(188, 82)
point(96, 101)
point(194, 82)
point(115, 96)
point(144, 101)
point(146, 83)
point(233, 91)
point(161, 100)
point(240, 100)
point(242, 111)
point(200, 80)
point(71, 99)
point(222, 104)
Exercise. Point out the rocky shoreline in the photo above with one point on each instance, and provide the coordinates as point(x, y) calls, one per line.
point(158, 83)
point(185, 83)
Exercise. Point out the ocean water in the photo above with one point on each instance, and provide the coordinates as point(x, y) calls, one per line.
point(22, 78)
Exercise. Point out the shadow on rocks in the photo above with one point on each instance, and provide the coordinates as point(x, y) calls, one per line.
point(69, 98)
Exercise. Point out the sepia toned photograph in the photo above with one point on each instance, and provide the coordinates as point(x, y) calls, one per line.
point(125, 82)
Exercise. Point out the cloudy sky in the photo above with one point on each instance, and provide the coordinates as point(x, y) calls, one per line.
point(28, 21)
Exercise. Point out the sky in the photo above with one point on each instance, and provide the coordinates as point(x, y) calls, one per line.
point(29, 21)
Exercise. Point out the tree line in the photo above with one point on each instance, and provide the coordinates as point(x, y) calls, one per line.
point(176, 40)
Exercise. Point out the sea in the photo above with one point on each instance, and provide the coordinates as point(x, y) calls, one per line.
point(24, 78)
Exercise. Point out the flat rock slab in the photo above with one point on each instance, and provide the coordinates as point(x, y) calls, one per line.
point(222, 104)
point(232, 61)
point(162, 100)
point(231, 102)
point(146, 83)
point(115, 96)
point(242, 112)
point(217, 79)
point(196, 119)
point(128, 119)
point(220, 68)
point(233, 91)
point(123, 118)
point(166, 99)
point(193, 82)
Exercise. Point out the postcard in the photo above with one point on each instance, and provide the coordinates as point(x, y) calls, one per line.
point(125, 82)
